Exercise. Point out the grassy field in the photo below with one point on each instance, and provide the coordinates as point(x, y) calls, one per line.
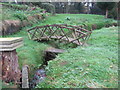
point(32, 52)
point(79, 19)
point(92, 66)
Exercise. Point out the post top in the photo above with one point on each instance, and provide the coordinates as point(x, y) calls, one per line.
point(9, 39)
point(9, 44)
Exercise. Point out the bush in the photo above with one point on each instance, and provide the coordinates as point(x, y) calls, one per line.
point(20, 15)
point(49, 7)
point(36, 3)
point(96, 10)
point(113, 13)
point(16, 6)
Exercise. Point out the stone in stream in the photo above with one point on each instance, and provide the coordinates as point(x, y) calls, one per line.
point(38, 77)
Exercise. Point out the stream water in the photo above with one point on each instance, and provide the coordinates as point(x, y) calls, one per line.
point(40, 74)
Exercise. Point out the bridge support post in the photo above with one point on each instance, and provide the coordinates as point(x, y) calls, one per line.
point(9, 59)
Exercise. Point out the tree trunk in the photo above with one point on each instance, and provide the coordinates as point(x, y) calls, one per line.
point(106, 16)
point(10, 67)
point(67, 7)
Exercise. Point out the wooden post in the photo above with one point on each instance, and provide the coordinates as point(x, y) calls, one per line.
point(9, 59)
point(25, 81)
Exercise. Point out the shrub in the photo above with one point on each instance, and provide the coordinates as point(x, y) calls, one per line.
point(20, 16)
point(106, 6)
point(49, 7)
point(16, 6)
point(113, 13)
point(36, 3)
point(96, 10)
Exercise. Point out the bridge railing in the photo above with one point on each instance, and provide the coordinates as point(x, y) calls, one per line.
point(69, 33)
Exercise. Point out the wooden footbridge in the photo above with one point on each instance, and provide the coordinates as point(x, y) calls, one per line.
point(61, 32)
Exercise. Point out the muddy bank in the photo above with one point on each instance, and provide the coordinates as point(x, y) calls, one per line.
point(11, 26)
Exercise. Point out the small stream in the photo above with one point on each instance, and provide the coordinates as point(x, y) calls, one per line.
point(40, 74)
point(50, 54)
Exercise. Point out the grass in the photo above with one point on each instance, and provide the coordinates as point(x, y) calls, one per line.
point(79, 19)
point(92, 66)
point(14, 14)
point(31, 53)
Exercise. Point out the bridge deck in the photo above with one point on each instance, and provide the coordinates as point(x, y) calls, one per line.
point(62, 38)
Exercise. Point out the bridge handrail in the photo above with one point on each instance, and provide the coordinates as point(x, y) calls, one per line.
point(60, 25)
point(75, 31)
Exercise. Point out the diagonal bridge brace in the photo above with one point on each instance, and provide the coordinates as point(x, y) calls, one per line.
point(53, 34)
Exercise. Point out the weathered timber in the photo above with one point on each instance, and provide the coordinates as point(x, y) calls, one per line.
point(25, 80)
point(50, 54)
point(69, 33)
point(54, 50)
point(9, 59)
point(10, 67)
point(64, 38)
point(9, 44)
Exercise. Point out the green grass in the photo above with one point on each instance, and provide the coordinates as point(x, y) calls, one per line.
point(80, 67)
point(31, 53)
point(15, 14)
point(79, 19)
point(92, 66)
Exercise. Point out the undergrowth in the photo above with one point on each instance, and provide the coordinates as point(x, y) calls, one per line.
point(92, 66)
point(13, 13)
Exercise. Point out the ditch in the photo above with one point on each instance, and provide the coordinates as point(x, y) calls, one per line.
point(49, 54)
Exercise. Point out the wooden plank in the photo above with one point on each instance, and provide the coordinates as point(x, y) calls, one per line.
point(54, 50)
point(64, 38)
point(25, 80)
point(64, 34)
point(11, 40)
point(80, 32)
point(54, 32)
point(34, 33)
point(9, 44)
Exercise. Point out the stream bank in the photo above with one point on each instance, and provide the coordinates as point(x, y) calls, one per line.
point(40, 74)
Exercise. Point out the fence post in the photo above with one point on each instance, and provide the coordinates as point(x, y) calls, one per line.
point(9, 59)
